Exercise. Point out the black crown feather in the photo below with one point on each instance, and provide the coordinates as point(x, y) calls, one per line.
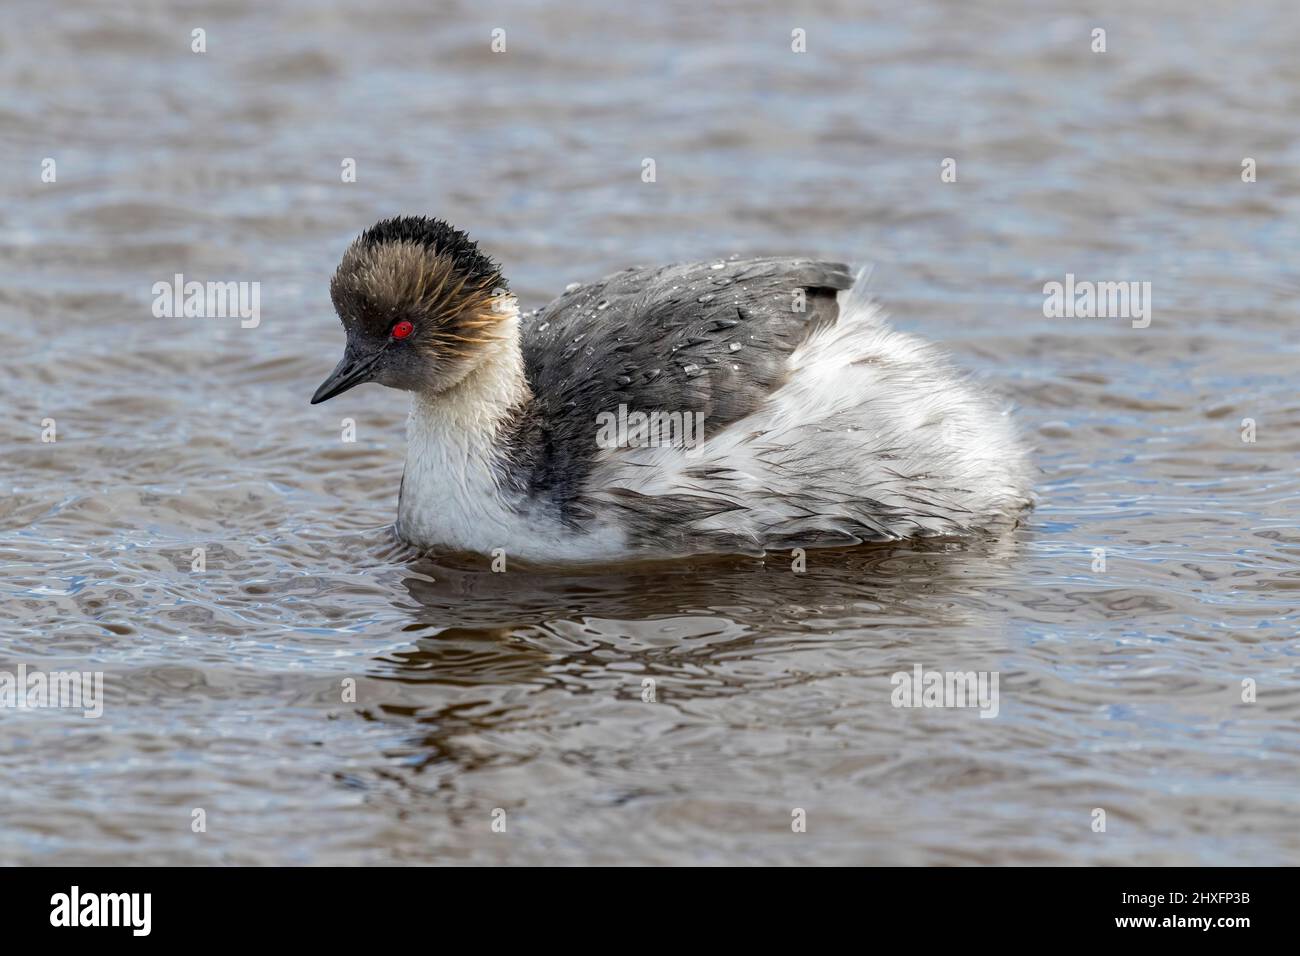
point(443, 237)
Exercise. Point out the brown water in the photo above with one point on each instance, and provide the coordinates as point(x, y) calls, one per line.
point(1119, 689)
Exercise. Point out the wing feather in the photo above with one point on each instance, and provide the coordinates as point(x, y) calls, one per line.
point(711, 338)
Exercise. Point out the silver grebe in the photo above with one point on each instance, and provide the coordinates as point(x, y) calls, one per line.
point(724, 406)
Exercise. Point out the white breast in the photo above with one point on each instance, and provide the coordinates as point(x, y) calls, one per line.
point(451, 497)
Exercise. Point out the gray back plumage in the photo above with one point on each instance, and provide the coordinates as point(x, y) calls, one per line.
point(708, 337)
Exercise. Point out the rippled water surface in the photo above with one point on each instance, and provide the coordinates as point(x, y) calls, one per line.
point(1119, 689)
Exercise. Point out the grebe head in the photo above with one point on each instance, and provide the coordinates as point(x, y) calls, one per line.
point(420, 304)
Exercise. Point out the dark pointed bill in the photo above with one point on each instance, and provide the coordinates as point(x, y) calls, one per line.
point(352, 370)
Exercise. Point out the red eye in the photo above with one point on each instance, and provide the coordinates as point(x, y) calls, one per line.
point(402, 329)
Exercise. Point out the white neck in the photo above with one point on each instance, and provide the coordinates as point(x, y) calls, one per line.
point(450, 492)
point(478, 404)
